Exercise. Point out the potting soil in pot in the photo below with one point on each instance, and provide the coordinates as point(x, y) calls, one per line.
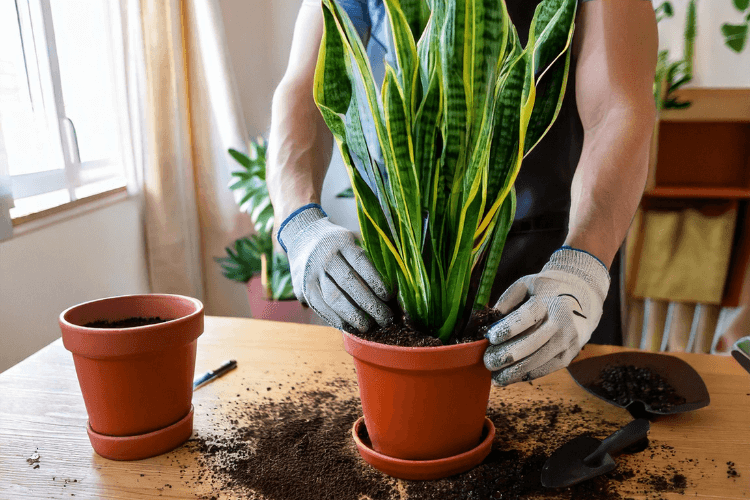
point(300, 447)
point(401, 333)
point(125, 323)
point(626, 383)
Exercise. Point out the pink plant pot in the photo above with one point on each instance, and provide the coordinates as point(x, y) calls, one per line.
point(290, 311)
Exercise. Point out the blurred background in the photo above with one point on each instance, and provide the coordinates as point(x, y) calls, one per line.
point(116, 117)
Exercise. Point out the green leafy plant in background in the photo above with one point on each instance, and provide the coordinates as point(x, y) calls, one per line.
point(735, 35)
point(253, 255)
point(465, 102)
point(671, 76)
point(664, 11)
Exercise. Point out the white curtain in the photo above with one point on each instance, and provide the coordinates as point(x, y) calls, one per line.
point(185, 115)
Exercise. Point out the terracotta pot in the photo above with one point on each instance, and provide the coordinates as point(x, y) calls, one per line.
point(291, 311)
point(422, 403)
point(136, 382)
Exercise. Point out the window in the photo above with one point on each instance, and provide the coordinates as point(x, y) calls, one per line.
point(63, 111)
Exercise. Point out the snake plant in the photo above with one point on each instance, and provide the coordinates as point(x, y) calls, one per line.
point(432, 155)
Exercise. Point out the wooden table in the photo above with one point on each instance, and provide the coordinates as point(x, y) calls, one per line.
point(42, 411)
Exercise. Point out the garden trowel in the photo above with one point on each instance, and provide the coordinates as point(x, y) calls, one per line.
point(586, 457)
point(741, 352)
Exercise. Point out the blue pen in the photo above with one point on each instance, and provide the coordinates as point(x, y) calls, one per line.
point(210, 375)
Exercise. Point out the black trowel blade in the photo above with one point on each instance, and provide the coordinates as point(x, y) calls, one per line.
point(565, 467)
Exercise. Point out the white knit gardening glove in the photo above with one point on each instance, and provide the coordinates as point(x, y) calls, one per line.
point(543, 335)
point(331, 273)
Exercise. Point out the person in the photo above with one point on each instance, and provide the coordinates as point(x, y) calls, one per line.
point(577, 191)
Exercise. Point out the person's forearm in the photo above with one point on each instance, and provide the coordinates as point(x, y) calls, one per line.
point(609, 181)
point(299, 150)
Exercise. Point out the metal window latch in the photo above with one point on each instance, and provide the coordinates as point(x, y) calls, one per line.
point(71, 141)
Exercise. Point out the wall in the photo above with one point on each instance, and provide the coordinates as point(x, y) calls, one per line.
point(715, 64)
point(259, 36)
point(43, 272)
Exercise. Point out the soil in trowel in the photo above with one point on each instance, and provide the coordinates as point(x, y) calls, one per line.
point(125, 323)
point(626, 383)
point(302, 448)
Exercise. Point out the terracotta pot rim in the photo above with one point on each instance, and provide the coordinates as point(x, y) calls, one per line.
point(400, 348)
point(425, 469)
point(64, 320)
point(101, 343)
point(444, 357)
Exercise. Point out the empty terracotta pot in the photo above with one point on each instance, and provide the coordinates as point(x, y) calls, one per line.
point(291, 311)
point(136, 382)
point(422, 403)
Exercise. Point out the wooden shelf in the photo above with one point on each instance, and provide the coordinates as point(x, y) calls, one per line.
point(700, 158)
point(711, 105)
point(698, 192)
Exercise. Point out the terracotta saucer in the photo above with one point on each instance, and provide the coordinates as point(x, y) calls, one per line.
point(423, 469)
point(143, 445)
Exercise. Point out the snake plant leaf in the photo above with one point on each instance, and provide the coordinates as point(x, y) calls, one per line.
point(403, 178)
point(417, 14)
point(406, 56)
point(553, 26)
point(505, 142)
point(427, 150)
point(500, 235)
point(549, 99)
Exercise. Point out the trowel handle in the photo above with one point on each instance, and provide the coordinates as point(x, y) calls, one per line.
point(621, 439)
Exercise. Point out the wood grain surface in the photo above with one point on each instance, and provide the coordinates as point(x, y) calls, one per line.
point(42, 411)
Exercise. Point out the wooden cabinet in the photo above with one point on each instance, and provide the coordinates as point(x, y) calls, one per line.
point(701, 159)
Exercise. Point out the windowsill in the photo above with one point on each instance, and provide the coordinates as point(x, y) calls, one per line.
point(67, 210)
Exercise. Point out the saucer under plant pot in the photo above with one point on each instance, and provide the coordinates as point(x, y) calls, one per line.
point(135, 360)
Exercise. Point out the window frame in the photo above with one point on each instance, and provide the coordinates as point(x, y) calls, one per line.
point(44, 82)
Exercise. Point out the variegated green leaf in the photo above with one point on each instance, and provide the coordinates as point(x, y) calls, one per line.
point(500, 234)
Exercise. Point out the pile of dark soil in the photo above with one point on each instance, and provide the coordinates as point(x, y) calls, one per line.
point(402, 333)
point(125, 323)
point(624, 384)
point(302, 448)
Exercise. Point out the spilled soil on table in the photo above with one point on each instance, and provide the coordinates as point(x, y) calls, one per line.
point(301, 448)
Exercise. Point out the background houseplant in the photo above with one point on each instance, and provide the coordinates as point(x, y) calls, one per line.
point(251, 259)
point(671, 76)
point(736, 35)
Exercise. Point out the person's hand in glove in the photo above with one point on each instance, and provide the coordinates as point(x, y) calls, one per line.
point(544, 334)
point(331, 274)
